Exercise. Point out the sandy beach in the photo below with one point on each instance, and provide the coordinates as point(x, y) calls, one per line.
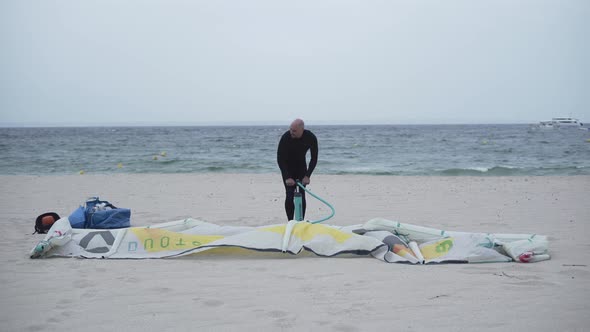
point(276, 293)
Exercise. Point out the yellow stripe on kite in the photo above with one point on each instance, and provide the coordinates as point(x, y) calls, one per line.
point(307, 231)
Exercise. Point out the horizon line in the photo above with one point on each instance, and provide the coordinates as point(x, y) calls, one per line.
point(239, 124)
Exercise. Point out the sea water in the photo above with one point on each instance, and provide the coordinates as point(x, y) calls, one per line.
point(454, 150)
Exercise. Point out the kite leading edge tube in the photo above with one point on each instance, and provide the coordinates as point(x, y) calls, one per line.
point(287, 235)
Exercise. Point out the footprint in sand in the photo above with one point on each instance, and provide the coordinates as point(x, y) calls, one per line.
point(162, 289)
point(63, 303)
point(213, 303)
point(276, 314)
point(282, 319)
point(36, 327)
point(346, 328)
point(53, 319)
point(82, 283)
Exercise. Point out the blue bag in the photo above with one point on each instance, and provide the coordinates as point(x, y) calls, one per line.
point(77, 218)
point(97, 214)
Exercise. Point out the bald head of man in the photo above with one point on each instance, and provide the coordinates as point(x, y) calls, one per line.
point(296, 128)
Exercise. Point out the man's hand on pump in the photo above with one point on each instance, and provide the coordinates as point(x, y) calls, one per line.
point(305, 180)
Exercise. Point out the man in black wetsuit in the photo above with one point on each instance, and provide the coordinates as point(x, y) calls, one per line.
point(293, 147)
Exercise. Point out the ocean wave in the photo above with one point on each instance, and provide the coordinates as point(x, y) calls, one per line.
point(509, 170)
point(168, 161)
point(214, 169)
point(496, 170)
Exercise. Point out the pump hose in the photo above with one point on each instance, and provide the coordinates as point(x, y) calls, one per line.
point(321, 200)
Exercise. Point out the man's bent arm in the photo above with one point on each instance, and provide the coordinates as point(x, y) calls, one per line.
point(281, 159)
point(314, 157)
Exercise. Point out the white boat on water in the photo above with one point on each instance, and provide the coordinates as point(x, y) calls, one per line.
point(562, 123)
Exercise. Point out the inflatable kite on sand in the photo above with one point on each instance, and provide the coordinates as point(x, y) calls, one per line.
point(386, 240)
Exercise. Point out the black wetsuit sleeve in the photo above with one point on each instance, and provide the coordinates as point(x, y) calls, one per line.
point(314, 156)
point(282, 157)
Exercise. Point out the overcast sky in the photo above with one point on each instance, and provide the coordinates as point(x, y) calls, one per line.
point(267, 62)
